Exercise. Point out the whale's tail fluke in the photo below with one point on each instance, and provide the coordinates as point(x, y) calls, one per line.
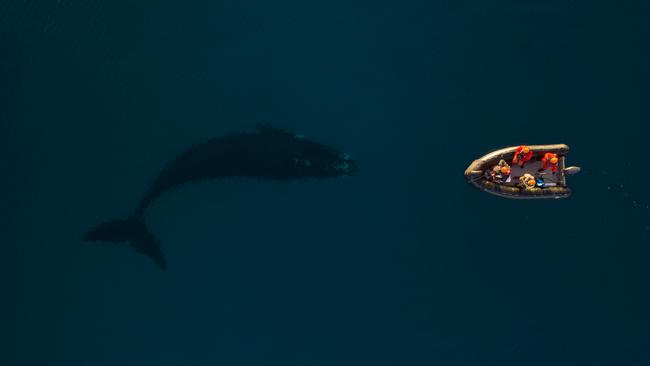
point(132, 230)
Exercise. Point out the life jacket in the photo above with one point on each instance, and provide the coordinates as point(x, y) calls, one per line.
point(519, 153)
point(546, 160)
point(497, 168)
point(524, 179)
point(549, 156)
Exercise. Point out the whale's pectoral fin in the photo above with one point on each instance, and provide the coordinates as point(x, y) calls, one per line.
point(131, 230)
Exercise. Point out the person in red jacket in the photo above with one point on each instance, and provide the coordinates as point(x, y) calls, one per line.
point(549, 160)
point(522, 155)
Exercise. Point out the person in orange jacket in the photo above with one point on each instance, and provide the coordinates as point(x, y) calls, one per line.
point(522, 155)
point(549, 160)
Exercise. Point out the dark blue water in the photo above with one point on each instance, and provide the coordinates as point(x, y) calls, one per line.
point(404, 264)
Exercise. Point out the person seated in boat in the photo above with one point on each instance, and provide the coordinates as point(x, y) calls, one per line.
point(549, 160)
point(500, 172)
point(527, 182)
point(523, 154)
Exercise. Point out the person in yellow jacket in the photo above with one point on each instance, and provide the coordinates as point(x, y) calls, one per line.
point(527, 182)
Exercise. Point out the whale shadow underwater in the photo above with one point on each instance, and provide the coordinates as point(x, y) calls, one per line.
point(268, 153)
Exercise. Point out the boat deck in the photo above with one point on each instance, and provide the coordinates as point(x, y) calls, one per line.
point(554, 184)
point(531, 167)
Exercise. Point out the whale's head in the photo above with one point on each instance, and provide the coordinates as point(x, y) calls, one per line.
point(344, 165)
point(313, 159)
point(302, 157)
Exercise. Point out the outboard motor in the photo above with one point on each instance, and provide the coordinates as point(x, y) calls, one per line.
point(572, 170)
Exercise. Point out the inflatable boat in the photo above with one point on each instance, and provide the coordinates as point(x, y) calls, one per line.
point(549, 185)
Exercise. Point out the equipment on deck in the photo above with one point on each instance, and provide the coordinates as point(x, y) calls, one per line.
point(549, 185)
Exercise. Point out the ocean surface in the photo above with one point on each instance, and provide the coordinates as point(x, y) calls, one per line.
point(402, 264)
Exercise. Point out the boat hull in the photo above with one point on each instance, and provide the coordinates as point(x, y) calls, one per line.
point(475, 174)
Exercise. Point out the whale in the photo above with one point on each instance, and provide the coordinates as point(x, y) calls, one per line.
point(267, 153)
